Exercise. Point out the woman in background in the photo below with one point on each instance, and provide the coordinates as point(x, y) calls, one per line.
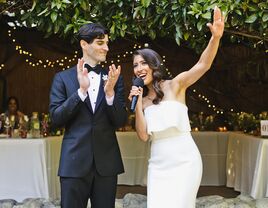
point(13, 112)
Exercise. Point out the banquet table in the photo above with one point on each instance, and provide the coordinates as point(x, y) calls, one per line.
point(135, 154)
point(29, 168)
point(247, 164)
point(213, 150)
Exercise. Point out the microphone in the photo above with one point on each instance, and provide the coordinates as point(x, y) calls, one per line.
point(138, 82)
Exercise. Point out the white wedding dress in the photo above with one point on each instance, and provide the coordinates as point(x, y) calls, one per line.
point(175, 165)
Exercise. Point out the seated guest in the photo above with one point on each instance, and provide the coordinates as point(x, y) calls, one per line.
point(13, 111)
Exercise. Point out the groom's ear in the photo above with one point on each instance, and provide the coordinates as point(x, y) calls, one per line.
point(83, 44)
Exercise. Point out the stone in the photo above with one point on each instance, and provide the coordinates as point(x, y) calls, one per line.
point(7, 203)
point(139, 201)
point(209, 201)
point(245, 201)
point(134, 201)
point(119, 203)
point(262, 203)
point(245, 198)
point(49, 204)
point(244, 205)
point(33, 202)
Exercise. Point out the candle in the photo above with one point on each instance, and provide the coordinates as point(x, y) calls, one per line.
point(195, 129)
point(220, 129)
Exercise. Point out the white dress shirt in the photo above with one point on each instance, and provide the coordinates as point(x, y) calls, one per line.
point(93, 90)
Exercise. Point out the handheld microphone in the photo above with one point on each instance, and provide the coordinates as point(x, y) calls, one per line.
point(138, 82)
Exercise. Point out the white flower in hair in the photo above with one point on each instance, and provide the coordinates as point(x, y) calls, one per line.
point(105, 77)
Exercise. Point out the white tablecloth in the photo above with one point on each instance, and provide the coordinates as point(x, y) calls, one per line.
point(29, 168)
point(213, 150)
point(247, 164)
point(260, 179)
point(53, 146)
point(135, 154)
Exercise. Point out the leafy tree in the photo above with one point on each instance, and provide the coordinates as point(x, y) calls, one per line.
point(183, 20)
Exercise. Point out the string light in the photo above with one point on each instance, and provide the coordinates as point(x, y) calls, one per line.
point(61, 63)
point(31, 60)
point(2, 66)
point(209, 103)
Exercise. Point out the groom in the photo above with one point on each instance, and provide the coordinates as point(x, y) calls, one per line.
point(89, 102)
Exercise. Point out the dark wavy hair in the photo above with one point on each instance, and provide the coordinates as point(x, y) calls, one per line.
point(154, 60)
point(16, 101)
point(91, 31)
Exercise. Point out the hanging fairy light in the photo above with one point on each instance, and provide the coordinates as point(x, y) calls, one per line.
point(62, 62)
point(32, 61)
point(210, 105)
point(2, 66)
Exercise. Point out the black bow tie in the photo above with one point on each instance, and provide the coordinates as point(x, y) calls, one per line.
point(97, 69)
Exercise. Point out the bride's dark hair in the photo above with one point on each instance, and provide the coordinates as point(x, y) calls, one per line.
point(155, 63)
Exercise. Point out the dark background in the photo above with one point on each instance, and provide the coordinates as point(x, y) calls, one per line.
point(238, 78)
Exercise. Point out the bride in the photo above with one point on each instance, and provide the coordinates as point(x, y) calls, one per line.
point(175, 165)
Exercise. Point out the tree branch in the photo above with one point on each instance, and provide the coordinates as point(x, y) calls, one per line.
point(17, 5)
point(245, 34)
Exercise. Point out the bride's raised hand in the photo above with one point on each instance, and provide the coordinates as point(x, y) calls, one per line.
point(217, 27)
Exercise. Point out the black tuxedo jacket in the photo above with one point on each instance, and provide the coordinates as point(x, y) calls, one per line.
point(89, 136)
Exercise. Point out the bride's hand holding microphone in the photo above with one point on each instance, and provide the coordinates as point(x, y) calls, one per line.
point(135, 95)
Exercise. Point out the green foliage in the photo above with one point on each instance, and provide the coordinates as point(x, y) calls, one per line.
point(185, 21)
point(247, 122)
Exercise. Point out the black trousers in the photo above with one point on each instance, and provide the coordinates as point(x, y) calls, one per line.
point(101, 190)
